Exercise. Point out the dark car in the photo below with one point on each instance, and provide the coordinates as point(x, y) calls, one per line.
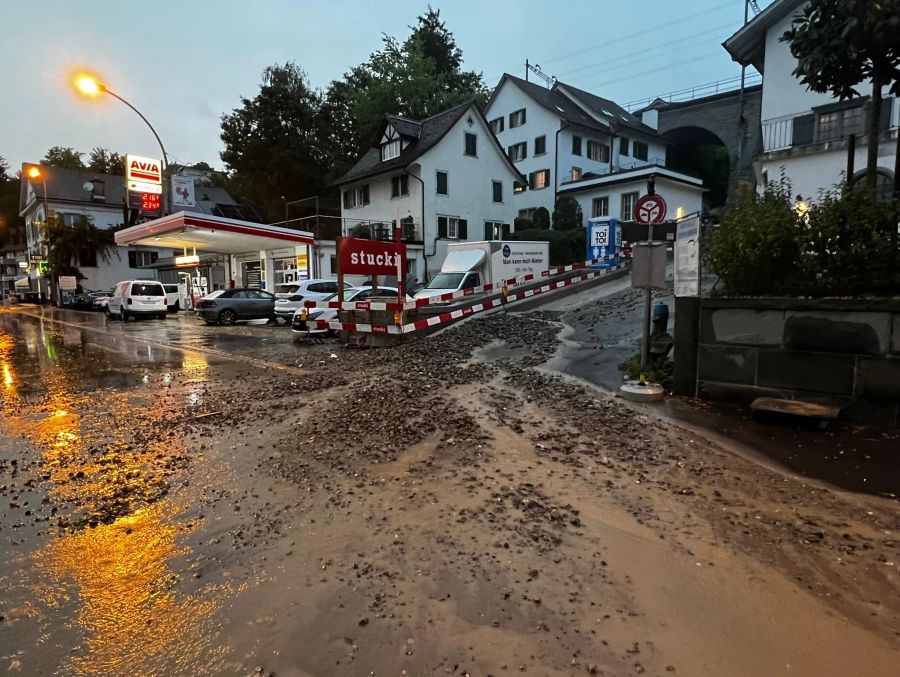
point(227, 306)
point(86, 300)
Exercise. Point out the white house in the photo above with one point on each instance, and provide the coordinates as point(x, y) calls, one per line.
point(445, 177)
point(74, 194)
point(77, 193)
point(570, 142)
point(806, 134)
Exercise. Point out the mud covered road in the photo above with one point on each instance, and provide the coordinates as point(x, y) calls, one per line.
point(189, 500)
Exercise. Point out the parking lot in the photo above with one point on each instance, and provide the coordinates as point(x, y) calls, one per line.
point(254, 342)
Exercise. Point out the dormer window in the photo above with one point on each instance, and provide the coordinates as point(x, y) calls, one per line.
point(390, 150)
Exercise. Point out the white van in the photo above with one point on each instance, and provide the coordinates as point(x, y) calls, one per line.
point(138, 298)
point(173, 297)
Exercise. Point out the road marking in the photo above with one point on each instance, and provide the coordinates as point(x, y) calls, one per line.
point(262, 364)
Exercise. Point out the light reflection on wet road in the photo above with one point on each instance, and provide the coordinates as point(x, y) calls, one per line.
point(96, 568)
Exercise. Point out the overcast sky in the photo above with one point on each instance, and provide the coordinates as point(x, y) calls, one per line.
point(183, 63)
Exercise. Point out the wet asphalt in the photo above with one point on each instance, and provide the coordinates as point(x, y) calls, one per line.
point(105, 570)
point(100, 565)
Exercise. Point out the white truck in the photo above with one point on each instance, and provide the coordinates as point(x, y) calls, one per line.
point(473, 264)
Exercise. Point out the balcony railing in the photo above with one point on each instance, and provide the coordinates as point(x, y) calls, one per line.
point(629, 167)
point(410, 231)
point(779, 133)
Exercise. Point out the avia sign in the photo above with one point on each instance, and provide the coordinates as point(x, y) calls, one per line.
point(143, 174)
point(370, 257)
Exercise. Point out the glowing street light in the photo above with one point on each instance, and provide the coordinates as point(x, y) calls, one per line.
point(90, 86)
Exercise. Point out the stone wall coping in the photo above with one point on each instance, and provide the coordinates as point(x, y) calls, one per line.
point(862, 304)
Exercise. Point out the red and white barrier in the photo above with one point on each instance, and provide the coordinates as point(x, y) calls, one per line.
point(459, 313)
point(449, 296)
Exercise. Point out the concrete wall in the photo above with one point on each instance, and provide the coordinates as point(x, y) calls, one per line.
point(845, 352)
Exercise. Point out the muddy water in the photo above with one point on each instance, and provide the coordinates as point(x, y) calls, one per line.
point(95, 538)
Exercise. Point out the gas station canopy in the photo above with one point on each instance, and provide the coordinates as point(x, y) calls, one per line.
point(211, 234)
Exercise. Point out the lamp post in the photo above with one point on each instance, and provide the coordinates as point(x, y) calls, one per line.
point(90, 86)
point(35, 172)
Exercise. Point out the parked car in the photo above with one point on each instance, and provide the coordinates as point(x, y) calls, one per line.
point(227, 306)
point(100, 299)
point(308, 290)
point(86, 299)
point(298, 322)
point(137, 298)
point(285, 290)
point(173, 297)
point(101, 302)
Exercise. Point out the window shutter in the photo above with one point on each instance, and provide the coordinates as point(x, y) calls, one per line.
point(442, 226)
point(504, 228)
point(531, 180)
point(462, 230)
point(884, 121)
point(488, 230)
point(803, 130)
point(132, 259)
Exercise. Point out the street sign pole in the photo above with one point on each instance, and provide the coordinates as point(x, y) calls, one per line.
point(649, 210)
point(648, 301)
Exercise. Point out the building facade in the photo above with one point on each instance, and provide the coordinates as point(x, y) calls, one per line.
point(806, 134)
point(569, 142)
point(444, 179)
point(73, 194)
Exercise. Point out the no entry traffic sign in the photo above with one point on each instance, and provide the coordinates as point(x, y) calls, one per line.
point(650, 209)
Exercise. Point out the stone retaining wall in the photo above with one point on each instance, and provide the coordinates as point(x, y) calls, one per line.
point(845, 352)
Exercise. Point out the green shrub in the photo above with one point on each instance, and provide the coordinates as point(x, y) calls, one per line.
point(541, 218)
point(567, 214)
point(754, 250)
point(566, 247)
point(850, 245)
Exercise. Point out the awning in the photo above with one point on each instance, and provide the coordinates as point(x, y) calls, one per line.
point(23, 283)
point(211, 234)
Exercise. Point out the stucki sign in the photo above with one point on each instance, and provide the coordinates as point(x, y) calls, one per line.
point(370, 257)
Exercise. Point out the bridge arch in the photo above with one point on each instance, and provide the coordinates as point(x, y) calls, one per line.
point(725, 120)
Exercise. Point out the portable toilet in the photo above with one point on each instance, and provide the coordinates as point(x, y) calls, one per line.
point(604, 237)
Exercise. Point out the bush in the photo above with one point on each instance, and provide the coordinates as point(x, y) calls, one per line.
point(567, 214)
point(521, 223)
point(566, 247)
point(362, 231)
point(850, 245)
point(541, 218)
point(845, 244)
point(754, 250)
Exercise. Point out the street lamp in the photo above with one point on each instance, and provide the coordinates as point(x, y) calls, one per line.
point(35, 172)
point(90, 86)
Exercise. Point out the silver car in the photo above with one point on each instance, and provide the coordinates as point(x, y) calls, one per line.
point(308, 290)
point(299, 326)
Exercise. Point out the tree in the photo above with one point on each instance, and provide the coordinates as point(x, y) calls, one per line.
point(840, 44)
point(567, 214)
point(104, 161)
point(272, 142)
point(541, 218)
point(64, 158)
point(416, 78)
point(67, 246)
point(12, 226)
